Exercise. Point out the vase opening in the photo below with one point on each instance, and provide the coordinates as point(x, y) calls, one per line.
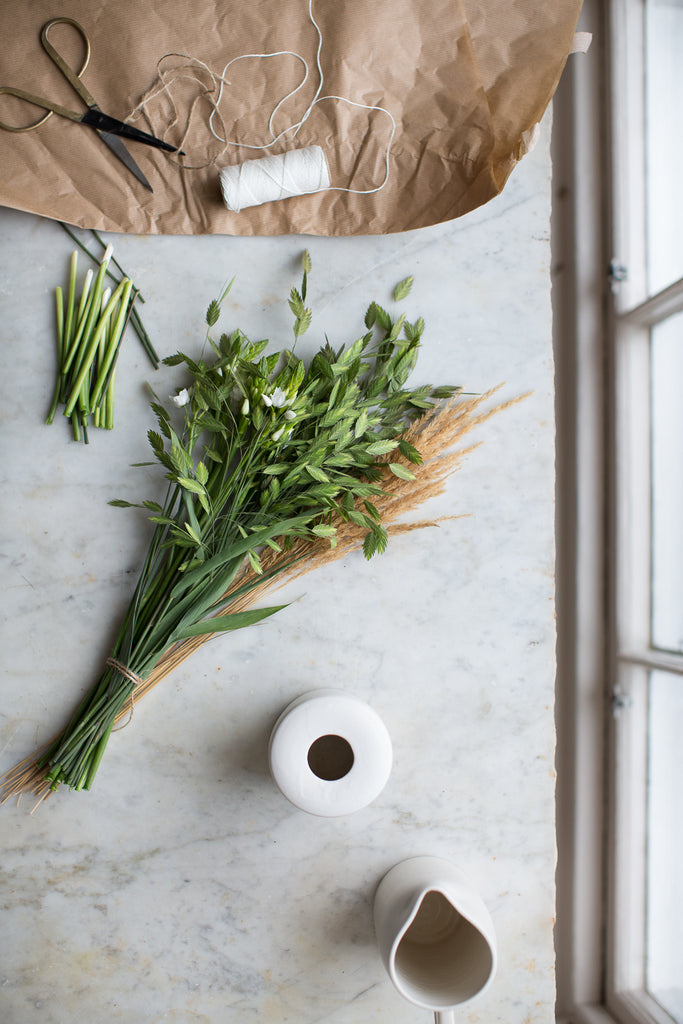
point(330, 757)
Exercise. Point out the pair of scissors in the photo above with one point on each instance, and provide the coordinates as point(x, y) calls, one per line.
point(109, 129)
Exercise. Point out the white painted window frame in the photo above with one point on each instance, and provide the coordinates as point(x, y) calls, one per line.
point(602, 327)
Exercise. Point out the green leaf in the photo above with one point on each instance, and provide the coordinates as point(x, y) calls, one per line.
point(225, 291)
point(317, 473)
point(401, 471)
point(408, 451)
point(369, 545)
point(306, 261)
point(302, 323)
point(120, 503)
point(296, 303)
point(227, 623)
point(382, 317)
point(213, 313)
point(361, 424)
point(298, 374)
point(375, 541)
point(190, 485)
point(381, 447)
point(201, 473)
point(324, 530)
point(402, 289)
point(255, 562)
point(396, 328)
point(446, 391)
point(193, 533)
point(359, 518)
point(372, 511)
point(174, 360)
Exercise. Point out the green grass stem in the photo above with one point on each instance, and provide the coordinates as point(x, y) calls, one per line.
point(91, 348)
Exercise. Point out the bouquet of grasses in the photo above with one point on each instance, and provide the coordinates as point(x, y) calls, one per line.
point(276, 468)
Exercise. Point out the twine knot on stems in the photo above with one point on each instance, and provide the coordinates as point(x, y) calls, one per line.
point(135, 679)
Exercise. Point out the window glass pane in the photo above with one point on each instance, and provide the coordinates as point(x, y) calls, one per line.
point(664, 140)
point(664, 967)
point(667, 483)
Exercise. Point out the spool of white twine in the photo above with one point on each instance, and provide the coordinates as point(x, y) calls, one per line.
point(297, 172)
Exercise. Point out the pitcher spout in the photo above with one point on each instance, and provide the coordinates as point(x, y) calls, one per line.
point(435, 934)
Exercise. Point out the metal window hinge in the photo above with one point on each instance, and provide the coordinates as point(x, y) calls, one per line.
point(620, 702)
point(617, 273)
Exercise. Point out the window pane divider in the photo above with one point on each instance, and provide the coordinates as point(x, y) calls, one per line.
point(664, 661)
point(656, 308)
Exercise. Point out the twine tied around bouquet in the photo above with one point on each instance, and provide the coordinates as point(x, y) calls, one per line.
point(135, 679)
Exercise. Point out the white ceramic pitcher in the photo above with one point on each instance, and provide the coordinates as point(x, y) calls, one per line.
point(435, 935)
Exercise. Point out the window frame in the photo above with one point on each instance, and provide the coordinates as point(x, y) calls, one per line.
point(603, 316)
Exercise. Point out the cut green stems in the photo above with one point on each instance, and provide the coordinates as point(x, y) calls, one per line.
point(59, 310)
point(90, 329)
point(136, 321)
point(71, 296)
point(81, 322)
point(91, 348)
point(110, 349)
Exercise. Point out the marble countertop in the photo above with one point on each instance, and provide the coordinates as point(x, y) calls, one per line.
point(184, 888)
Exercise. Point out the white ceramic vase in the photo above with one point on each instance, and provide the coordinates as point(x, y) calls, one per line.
point(435, 935)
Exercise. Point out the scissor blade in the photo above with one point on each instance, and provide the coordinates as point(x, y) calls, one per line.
point(104, 123)
point(119, 150)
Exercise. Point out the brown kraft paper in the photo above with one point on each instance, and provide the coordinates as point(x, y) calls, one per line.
point(466, 81)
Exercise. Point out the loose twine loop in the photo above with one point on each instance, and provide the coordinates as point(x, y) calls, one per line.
point(190, 71)
point(127, 673)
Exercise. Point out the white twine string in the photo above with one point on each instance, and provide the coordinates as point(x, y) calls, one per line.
point(286, 174)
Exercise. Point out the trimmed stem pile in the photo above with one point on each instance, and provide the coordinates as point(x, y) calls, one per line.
point(135, 320)
point(90, 329)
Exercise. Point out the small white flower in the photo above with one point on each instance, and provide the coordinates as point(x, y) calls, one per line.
point(245, 407)
point(266, 400)
point(278, 434)
point(290, 414)
point(182, 398)
point(279, 398)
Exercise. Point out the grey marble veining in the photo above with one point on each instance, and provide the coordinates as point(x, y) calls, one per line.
point(184, 888)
